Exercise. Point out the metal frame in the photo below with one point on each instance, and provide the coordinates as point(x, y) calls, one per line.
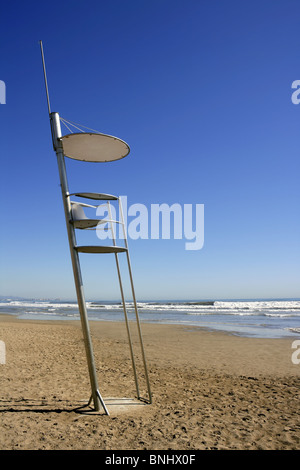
point(56, 132)
point(134, 302)
point(75, 250)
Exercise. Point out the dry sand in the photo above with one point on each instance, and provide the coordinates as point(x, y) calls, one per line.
point(210, 390)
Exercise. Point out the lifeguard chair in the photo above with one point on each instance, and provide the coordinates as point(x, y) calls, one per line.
point(93, 147)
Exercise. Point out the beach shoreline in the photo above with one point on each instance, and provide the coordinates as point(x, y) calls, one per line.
point(260, 318)
point(211, 390)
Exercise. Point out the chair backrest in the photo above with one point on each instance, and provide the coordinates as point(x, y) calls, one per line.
point(77, 212)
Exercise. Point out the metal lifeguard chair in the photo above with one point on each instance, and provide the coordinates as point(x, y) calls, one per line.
point(93, 147)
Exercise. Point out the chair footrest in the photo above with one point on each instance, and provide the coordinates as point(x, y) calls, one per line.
point(100, 249)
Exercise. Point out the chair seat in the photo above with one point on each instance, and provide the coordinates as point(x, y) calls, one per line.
point(100, 249)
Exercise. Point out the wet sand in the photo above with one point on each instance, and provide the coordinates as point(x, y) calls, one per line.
point(211, 390)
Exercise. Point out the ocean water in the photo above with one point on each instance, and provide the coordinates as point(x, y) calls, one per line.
point(250, 318)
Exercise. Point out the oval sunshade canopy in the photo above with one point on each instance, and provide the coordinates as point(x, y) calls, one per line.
point(94, 147)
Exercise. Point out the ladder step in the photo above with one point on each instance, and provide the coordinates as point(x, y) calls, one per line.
point(100, 249)
point(97, 196)
point(90, 223)
point(85, 223)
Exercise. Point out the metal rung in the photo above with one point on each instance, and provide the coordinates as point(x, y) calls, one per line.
point(89, 223)
point(83, 204)
point(85, 223)
point(100, 249)
point(98, 196)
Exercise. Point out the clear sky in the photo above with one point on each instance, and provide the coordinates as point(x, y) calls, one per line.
point(201, 91)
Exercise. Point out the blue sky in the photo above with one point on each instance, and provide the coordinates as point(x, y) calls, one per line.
point(201, 91)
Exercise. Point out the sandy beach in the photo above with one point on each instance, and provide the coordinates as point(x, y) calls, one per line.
point(210, 390)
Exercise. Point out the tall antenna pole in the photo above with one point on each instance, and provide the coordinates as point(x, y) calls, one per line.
point(45, 77)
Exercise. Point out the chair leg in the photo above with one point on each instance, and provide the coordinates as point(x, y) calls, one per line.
point(127, 328)
point(77, 272)
point(139, 328)
point(135, 305)
point(124, 306)
point(86, 334)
